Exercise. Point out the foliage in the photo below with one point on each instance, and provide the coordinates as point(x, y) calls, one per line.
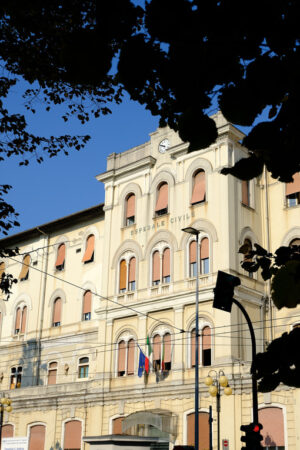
point(283, 268)
point(280, 363)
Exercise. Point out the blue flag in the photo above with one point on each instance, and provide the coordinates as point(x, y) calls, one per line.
point(141, 363)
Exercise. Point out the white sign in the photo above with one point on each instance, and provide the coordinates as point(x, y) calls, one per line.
point(20, 443)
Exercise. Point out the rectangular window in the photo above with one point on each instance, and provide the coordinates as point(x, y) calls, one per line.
point(193, 269)
point(166, 279)
point(293, 199)
point(206, 355)
point(204, 266)
point(83, 372)
point(130, 221)
point(131, 285)
point(56, 324)
point(87, 316)
point(155, 282)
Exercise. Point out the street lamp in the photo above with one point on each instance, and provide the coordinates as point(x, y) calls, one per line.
point(215, 383)
point(193, 231)
point(5, 406)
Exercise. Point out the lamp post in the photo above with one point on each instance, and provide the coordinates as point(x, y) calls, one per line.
point(5, 406)
point(193, 231)
point(215, 383)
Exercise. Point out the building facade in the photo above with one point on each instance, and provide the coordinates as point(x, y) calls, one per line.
point(96, 287)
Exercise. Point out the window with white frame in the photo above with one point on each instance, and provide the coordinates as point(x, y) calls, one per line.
point(83, 367)
point(204, 348)
point(161, 265)
point(127, 274)
point(162, 351)
point(126, 357)
point(292, 192)
point(20, 320)
point(204, 260)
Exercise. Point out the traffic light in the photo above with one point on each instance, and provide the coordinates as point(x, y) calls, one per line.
point(224, 290)
point(252, 436)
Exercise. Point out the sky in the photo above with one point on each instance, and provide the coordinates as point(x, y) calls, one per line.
point(66, 184)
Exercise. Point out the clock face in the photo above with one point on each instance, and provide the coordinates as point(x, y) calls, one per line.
point(163, 145)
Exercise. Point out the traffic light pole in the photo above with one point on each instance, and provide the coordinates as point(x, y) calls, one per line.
point(253, 341)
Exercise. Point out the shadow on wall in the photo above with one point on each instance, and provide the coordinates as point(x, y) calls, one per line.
point(29, 364)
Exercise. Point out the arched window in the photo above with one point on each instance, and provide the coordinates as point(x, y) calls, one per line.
point(193, 258)
point(126, 357)
point(271, 419)
point(130, 209)
point(52, 373)
point(20, 322)
point(123, 276)
point(292, 191)
point(204, 347)
point(155, 268)
point(87, 304)
point(246, 192)
point(83, 367)
point(15, 377)
point(56, 312)
point(60, 260)
point(166, 266)
point(25, 268)
point(72, 435)
point(247, 249)
point(131, 276)
point(162, 352)
point(199, 189)
point(203, 430)
point(37, 437)
point(7, 431)
point(204, 256)
point(161, 206)
point(89, 250)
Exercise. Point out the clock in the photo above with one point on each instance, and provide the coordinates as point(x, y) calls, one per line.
point(163, 145)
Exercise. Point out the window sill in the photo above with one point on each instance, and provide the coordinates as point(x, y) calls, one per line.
point(291, 207)
point(83, 379)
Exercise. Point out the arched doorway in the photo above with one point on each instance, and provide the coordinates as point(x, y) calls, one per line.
point(271, 419)
point(203, 430)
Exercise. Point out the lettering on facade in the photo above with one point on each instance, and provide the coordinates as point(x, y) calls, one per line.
point(159, 224)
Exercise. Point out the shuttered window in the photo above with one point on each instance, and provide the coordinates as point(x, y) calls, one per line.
point(60, 260)
point(245, 193)
point(247, 257)
point(87, 304)
point(131, 276)
point(271, 419)
point(155, 268)
point(193, 348)
point(206, 346)
point(25, 268)
point(23, 320)
point(18, 321)
point(117, 425)
point(7, 431)
point(121, 358)
point(123, 276)
point(293, 191)
point(203, 430)
point(37, 437)
point(204, 256)
point(89, 250)
point(52, 373)
point(167, 349)
point(166, 266)
point(156, 351)
point(130, 357)
point(192, 258)
point(15, 377)
point(72, 439)
point(56, 313)
point(130, 209)
point(198, 194)
point(162, 200)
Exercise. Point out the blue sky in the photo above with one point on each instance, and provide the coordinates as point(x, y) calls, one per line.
point(65, 184)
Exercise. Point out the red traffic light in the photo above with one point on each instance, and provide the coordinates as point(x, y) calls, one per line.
point(256, 429)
